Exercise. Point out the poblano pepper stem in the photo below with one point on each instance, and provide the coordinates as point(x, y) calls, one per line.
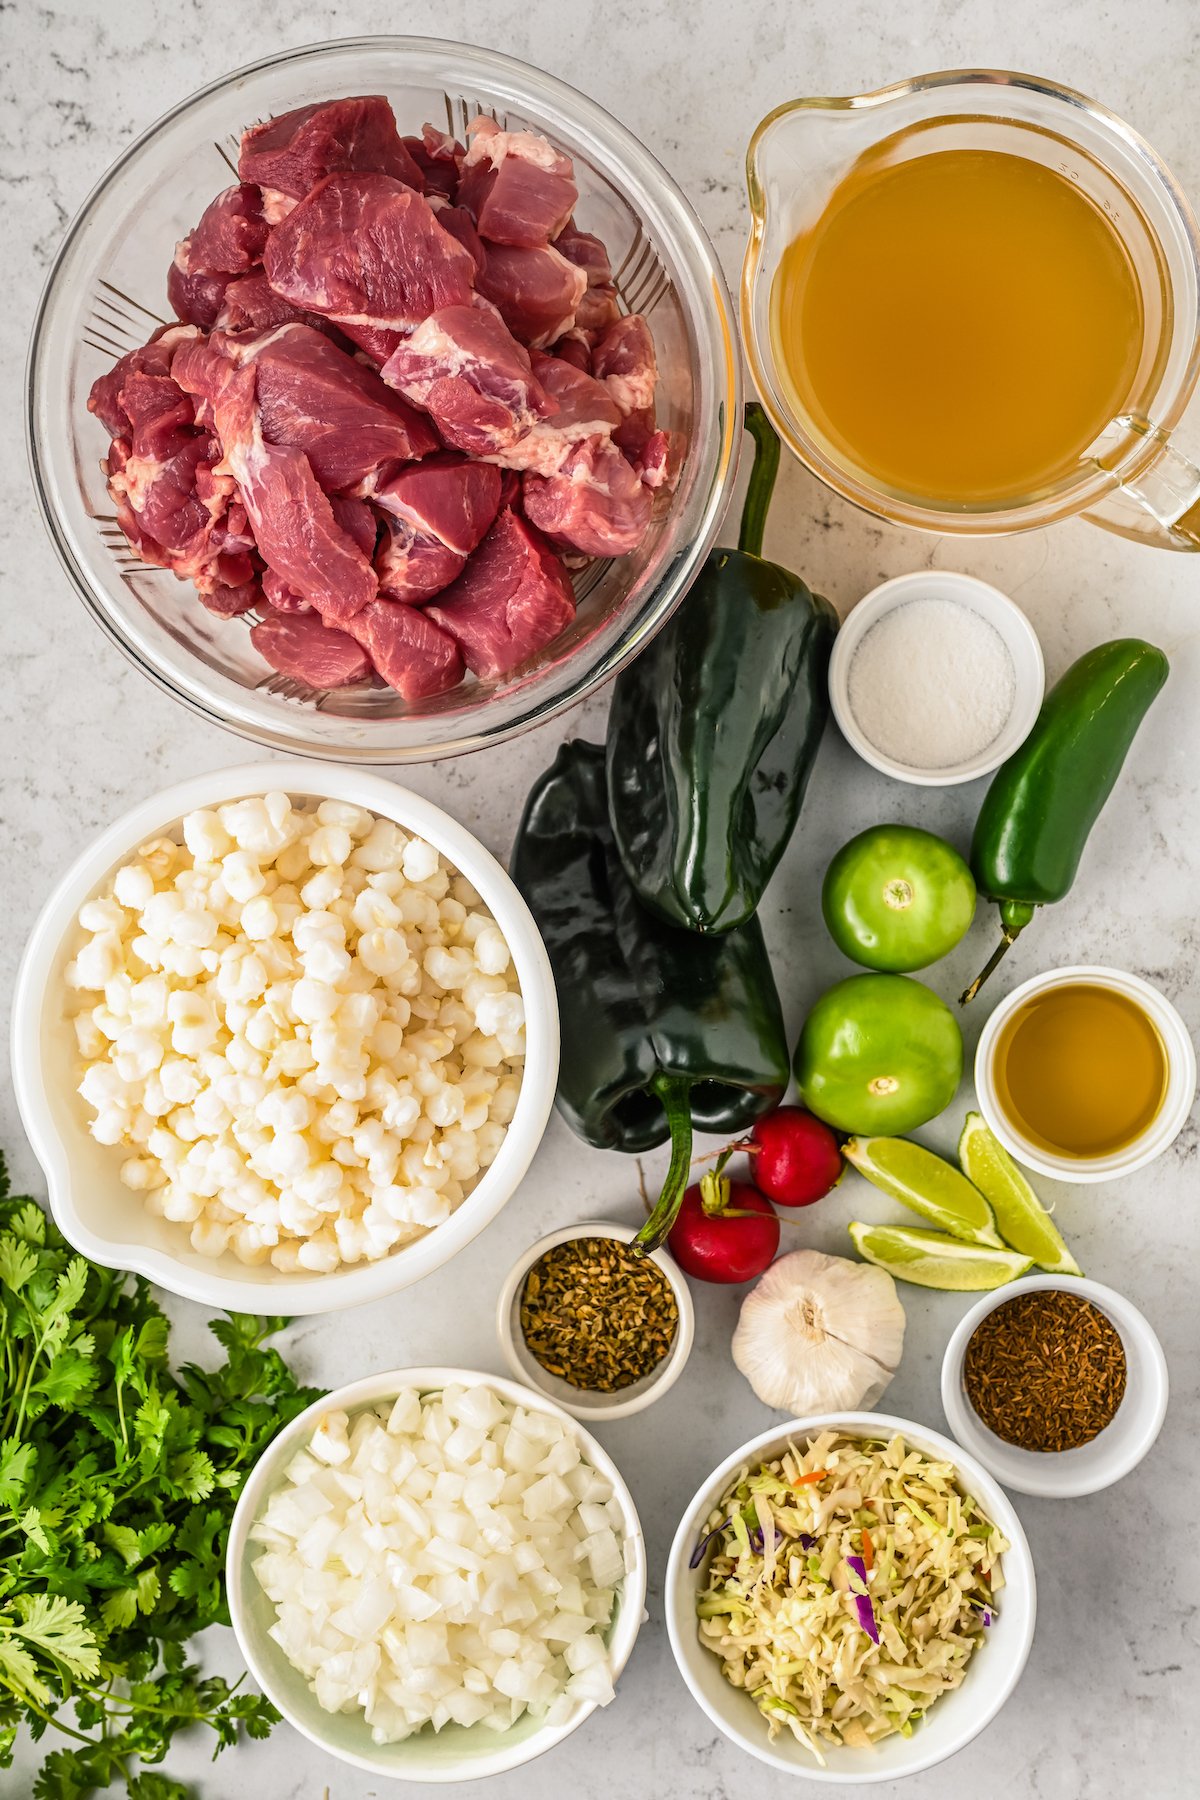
point(762, 480)
point(1014, 917)
point(675, 1096)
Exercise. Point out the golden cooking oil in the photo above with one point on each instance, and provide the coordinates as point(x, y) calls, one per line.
point(1080, 1070)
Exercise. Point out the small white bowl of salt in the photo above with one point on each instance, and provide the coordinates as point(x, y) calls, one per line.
point(936, 678)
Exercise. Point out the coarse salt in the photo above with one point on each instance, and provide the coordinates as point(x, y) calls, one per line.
point(932, 684)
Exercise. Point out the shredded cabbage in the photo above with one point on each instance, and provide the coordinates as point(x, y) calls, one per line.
point(886, 1537)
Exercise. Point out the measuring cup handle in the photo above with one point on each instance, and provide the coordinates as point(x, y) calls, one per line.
point(1160, 505)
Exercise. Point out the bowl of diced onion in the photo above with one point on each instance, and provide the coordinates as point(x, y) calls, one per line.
point(285, 1039)
point(830, 1630)
point(436, 1574)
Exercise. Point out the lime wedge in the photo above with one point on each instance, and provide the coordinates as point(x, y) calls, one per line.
point(922, 1181)
point(1020, 1216)
point(932, 1259)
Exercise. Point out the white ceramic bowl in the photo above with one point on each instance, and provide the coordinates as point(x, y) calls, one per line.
point(991, 1676)
point(579, 1403)
point(1065, 1474)
point(990, 604)
point(1172, 1114)
point(455, 1753)
point(90, 1203)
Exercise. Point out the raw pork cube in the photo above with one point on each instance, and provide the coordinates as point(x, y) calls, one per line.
point(598, 308)
point(229, 602)
point(292, 152)
point(250, 303)
point(356, 520)
point(464, 366)
point(535, 291)
point(585, 409)
point(624, 361)
point(291, 517)
point(447, 497)
point(512, 599)
point(315, 398)
point(595, 504)
point(152, 358)
point(196, 299)
point(413, 566)
point(413, 655)
point(459, 223)
point(366, 251)
point(230, 238)
point(520, 189)
point(439, 158)
point(299, 644)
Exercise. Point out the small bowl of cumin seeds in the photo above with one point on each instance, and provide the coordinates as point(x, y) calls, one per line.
point(600, 1331)
point(1057, 1385)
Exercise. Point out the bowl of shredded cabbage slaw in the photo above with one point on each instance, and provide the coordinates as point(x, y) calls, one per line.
point(850, 1598)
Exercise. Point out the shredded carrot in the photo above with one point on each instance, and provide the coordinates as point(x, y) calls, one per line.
point(868, 1549)
point(807, 1480)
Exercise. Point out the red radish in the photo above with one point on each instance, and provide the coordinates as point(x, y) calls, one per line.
point(796, 1158)
point(725, 1231)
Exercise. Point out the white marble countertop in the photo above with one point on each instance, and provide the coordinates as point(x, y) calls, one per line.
point(1110, 1688)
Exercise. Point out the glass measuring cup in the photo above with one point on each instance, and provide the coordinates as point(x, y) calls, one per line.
point(1134, 478)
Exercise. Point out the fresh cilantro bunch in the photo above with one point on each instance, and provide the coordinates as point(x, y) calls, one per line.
point(118, 1480)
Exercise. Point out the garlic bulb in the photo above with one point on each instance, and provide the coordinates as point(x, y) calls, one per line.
point(820, 1334)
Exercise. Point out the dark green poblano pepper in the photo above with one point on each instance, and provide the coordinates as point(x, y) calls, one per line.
point(714, 728)
point(661, 1029)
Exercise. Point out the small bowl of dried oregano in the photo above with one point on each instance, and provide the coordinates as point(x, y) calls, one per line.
point(600, 1331)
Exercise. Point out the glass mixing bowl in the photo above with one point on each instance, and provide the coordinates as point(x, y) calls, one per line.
point(106, 293)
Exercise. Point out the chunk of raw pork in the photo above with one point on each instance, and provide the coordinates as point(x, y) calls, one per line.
point(463, 366)
point(512, 599)
point(519, 187)
point(624, 360)
point(151, 358)
point(438, 511)
point(598, 308)
point(293, 151)
point(315, 398)
point(299, 644)
point(169, 501)
point(439, 158)
point(250, 303)
point(535, 291)
point(459, 223)
point(293, 522)
point(447, 497)
point(196, 299)
point(231, 235)
point(414, 656)
point(585, 409)
point(595, 504)
point(411, 566)
point(363, 250)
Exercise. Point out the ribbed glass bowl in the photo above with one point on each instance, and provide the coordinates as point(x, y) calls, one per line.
point(107, 291)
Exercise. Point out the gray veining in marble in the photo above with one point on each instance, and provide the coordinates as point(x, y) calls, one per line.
point(1107, 1704)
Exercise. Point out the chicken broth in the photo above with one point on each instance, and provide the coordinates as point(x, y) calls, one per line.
point(960, 325)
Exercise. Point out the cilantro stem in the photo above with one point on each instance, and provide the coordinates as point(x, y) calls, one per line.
point(30, 1705)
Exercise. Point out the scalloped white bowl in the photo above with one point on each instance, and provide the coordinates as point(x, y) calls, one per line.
point(90, 1203)
point(455, 1753)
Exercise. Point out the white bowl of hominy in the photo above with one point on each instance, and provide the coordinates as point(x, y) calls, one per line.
point(291, 1124)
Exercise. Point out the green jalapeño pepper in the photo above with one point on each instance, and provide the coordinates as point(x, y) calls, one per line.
point(1043, 802)
point(714, 729)
point(661, 1029)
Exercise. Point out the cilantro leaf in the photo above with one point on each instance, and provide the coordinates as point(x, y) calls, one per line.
point(60, 1629)
point(17, 1461)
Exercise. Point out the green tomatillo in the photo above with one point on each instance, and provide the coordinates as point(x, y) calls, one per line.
point(897, 898)
point(879, 1054)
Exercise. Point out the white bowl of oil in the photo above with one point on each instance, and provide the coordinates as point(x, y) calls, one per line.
point(1086, 1073)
